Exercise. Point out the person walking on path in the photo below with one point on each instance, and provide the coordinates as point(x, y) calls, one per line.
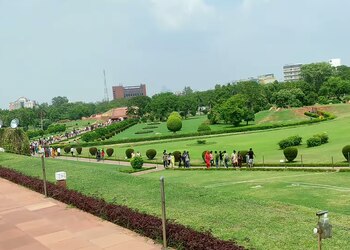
point(172, 160)
point(239, 159)
point(251, 158)
point(216, 159)
point(187, 159)
point(234, 159)
point(165, 159)
point(103, 154)
point(226, 159)
point(221, 158)
point(207, 159)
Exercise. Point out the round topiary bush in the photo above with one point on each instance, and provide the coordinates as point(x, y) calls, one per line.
point(346, 152)
point(67, 149)
point(177, 155)
point(203, 154)
point(203, 128)
point(244, 156)
point(151, 153)
point(79, 150)
point(175, 114)
point(129, 152)
point(314, 141)
point(174, 123)
point(110, 152)
point(136, 162)
point(93, 151)
point(290, 153)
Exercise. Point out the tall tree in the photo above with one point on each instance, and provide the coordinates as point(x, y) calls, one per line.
point(138, 105)
point(59, 101)
point(316, 73)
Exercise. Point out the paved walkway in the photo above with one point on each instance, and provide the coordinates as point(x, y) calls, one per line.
point(158, 167)
point(29, 221)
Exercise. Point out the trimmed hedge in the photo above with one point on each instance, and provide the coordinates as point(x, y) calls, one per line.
point(177, 155)
point(244, 155)
point(174, 123)
point(150, 127)
point(136, 162)
point(201, 141)
point(151, 153)
point(109, 151)
point(128, 152)
point(100, 133)
point(79, 150)
point(290, 141)
point(178, 236)
point(143, 132)
point(317, 140)
point(346, 152)
point(203, 128)
point(67, 149)
point(290, 153)
point(93, 151)
point(215, 132)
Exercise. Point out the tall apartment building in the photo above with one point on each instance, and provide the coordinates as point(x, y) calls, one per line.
point(292, 72)
point(22, 102)
point(121, 92)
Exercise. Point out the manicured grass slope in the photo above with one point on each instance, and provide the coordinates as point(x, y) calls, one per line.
point(188, 126)
point(262, 210)
point(264, 143)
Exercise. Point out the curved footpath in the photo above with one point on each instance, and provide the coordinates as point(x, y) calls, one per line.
point(159, 167)
point(29, 221)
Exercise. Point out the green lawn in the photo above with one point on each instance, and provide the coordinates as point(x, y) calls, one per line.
point(264, 143)
point(261, 210)
point(189, 125)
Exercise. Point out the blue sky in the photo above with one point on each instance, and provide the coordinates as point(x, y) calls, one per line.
point(60, 47)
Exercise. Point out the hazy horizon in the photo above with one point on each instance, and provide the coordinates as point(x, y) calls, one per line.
point(60, 48)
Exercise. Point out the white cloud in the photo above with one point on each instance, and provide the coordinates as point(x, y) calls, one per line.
point(176, 14)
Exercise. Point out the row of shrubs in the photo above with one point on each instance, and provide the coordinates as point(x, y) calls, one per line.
point(315, 140)
point(109, 131)
point(211, 132)
point(291, 153)
point(178, 236)
point(143, 132)
point(294, 140)
point(52, 129)
point(320, 114)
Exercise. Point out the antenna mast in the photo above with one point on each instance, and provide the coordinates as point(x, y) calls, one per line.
point(106, 98)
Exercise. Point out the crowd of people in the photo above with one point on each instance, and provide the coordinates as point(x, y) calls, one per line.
point(212, 159)
point(224, 159)
point(169, 159)
point(47, 141)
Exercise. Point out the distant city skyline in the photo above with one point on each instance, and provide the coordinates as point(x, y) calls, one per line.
point(60, 48)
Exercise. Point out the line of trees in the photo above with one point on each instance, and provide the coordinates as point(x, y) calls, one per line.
point(230, 103)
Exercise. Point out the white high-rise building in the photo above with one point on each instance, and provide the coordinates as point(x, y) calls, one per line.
point(336, 62)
